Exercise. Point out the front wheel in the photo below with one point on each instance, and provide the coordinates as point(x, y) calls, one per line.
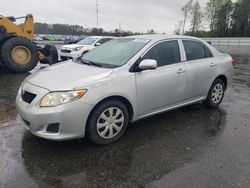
point(215, 94)
point(108, 122)
point(19, 54)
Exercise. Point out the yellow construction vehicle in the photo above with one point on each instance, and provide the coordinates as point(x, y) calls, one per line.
point(18, 52)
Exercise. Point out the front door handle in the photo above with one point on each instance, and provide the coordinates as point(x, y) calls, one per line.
point(180, 71)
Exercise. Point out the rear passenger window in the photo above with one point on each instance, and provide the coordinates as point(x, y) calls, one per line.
point(196, 50)
point(165, 53)
point(208, 52)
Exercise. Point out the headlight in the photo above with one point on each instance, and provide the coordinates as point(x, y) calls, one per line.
point(53, 99)
point(77, 48)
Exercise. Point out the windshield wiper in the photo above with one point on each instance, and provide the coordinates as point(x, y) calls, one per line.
point(91, 63)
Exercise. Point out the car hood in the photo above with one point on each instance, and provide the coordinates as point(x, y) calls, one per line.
point(72, 46)
point(67, 76)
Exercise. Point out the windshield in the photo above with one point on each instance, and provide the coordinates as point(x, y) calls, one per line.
point(87, 41)
point(116, 52)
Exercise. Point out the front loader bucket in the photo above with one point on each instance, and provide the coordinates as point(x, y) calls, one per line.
point(48, 54)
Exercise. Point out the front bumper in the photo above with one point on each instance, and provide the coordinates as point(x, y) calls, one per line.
point(71, 117)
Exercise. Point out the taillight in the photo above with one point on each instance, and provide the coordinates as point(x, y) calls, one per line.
point(234, 62)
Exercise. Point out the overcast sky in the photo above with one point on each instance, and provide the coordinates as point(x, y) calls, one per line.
point(135, 15)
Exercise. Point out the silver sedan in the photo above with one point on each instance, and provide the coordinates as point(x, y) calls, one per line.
point(122, 81)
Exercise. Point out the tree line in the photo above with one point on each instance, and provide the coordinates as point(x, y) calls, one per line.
point(220, 18)
point(66, 29)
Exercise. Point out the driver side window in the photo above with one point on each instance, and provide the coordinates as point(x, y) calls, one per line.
point(165, 53)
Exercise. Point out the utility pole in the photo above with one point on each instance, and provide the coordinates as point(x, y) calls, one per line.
point(120, 26)
point(97, 14)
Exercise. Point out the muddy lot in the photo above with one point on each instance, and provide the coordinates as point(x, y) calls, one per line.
point(189, 147)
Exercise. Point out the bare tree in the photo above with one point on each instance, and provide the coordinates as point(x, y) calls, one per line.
point(212, 9)
point(186, 9)
point(196, 17)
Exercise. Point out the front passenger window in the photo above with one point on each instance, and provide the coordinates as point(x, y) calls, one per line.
point(165, 53)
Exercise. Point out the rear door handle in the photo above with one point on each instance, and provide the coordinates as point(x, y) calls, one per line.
point(180, 71)
point(213, 64)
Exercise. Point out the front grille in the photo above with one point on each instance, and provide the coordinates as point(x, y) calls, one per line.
point(28, 97)
point(63, 58)
point(65, 51)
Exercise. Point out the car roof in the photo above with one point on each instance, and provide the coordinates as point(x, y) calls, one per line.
point(154, 38)
point(158, 37)
point(101, 37)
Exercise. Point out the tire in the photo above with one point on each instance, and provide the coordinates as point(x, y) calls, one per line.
point(215, 94)
point(98, 135)
point(51, 53)
point(3, 30)
point(14, 62)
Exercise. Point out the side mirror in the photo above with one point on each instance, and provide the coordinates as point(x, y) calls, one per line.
point(97, 44)
point(147, 64)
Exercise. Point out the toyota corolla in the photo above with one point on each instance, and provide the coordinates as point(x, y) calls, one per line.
point(122, 81)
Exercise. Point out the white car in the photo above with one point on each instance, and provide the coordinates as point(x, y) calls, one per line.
point(38, 38)
point(73, 51)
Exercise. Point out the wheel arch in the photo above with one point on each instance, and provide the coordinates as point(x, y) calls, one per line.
point(223, 78)
point(122, 99)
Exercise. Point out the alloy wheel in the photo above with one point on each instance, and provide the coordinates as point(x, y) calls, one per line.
point(217, 93)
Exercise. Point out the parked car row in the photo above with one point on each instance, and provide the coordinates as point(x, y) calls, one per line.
point(72, 40)
point(121, 81)
point(66, 39)
point(72, 51)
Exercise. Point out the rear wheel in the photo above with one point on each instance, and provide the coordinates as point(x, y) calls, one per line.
point(215, 94)
point(108, 122)
point(19, 54)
